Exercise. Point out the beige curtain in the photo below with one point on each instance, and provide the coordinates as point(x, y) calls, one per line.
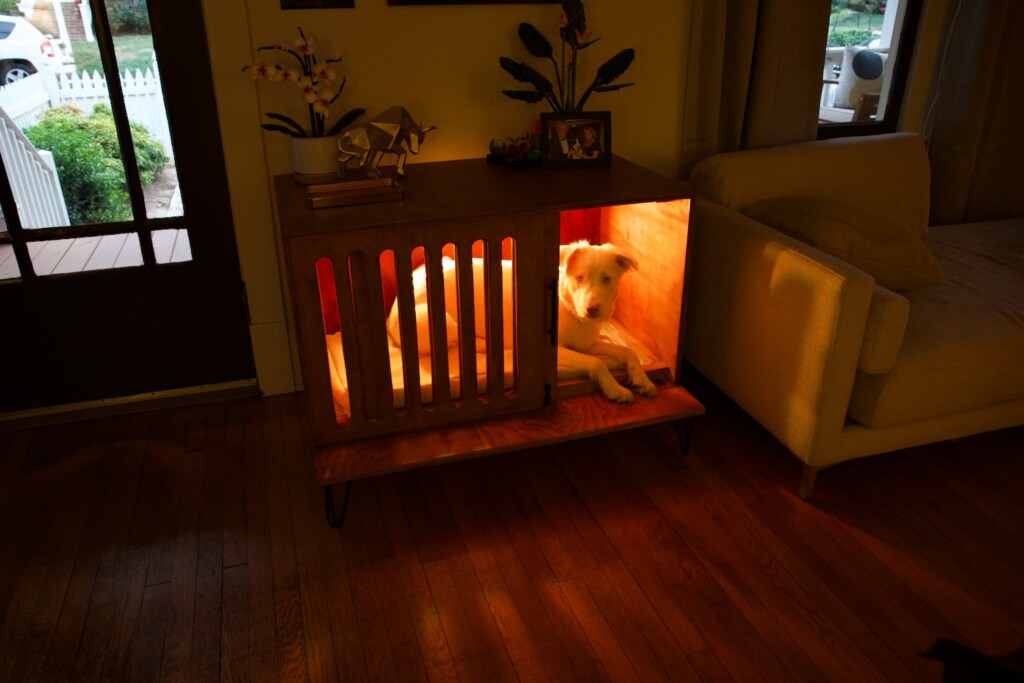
point(753, 75)
point(977, 136)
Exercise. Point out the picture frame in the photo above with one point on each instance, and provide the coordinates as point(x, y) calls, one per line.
point(399, 3)
point(318, 4)
point(588, 139)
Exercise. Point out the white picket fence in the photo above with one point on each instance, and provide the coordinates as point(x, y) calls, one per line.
point(25, 100)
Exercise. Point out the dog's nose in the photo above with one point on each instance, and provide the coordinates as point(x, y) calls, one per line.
point(593, 310)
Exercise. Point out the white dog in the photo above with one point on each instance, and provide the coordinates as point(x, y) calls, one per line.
point(588, 285)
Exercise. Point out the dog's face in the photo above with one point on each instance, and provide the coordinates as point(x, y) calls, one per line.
point(589, 278)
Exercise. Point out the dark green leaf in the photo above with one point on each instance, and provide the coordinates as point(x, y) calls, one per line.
point(345, 120)
point(291, 123)
point(525, 73)
point(610, 88)
point(614, 67)
point(281, 129)
point(535, 42)
point(530, 96)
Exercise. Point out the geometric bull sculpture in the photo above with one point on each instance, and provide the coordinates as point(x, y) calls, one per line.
point(393, 132)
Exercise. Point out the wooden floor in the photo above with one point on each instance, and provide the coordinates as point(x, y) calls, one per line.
point(190, 544)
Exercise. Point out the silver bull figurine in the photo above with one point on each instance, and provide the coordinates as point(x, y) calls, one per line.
point(384, 135)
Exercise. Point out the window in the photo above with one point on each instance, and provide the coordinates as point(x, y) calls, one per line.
point(864, 72)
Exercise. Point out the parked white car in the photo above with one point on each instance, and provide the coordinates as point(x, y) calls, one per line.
point(24, 50)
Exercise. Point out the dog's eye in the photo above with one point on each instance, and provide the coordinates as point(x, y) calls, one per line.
point(579, 278)
point(606, 279)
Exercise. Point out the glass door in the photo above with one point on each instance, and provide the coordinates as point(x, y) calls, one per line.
point(119, 273)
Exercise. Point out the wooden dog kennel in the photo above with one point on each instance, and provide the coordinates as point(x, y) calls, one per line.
point(479, 243)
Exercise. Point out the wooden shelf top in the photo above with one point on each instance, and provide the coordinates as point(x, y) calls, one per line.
point(446, 190)
point(568, 418)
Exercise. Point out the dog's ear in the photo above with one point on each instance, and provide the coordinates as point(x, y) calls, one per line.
point(567, 252)
point(623, 259)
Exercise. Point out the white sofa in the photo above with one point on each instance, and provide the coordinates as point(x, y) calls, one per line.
point(784, 316)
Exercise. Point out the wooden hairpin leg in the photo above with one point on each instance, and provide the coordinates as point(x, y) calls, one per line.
point(807, 481)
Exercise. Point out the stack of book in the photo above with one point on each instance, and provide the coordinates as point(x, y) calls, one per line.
point(353, 192)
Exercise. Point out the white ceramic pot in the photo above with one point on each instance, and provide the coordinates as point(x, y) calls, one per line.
point(315, 160)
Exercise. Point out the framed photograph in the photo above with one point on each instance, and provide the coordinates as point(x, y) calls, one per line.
point(575, 140)
point(470, 2)
point(318, 4)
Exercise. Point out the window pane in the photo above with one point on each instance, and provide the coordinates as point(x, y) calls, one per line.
point(863, 40)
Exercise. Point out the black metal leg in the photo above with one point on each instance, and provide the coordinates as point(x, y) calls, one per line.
point(683, 434)
point(333, 518)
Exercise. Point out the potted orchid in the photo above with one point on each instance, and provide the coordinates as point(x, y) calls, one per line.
point(314, 147)
point(574, 38)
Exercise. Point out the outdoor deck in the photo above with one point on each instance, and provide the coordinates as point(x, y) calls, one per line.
point(75, 255)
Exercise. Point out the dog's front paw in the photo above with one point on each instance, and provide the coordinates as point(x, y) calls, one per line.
point(618, 393)
point(645, 386)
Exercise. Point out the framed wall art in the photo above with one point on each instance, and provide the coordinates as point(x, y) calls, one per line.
point(471, 2)
point(318, 4)
point(575, 140)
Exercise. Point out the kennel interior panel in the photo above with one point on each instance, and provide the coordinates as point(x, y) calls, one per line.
point(424, 326)
point(649, 313)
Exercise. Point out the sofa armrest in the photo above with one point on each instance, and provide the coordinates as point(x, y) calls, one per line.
point(776, 324)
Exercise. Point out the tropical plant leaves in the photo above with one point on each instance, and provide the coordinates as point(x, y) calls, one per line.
point(291, 126)
point(614, 67)
point(347, 118)
point(530, 96)
point(536, 44)
point(525, 73)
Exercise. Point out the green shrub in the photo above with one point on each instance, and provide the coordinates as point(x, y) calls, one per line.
point(88, 161)
point(847, 37)
point(128, 16)
point(149, 153)
point(10, 8)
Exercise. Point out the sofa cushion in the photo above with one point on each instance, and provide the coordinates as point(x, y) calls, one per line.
point(887, 173)
point(887, 249)
point(883, 331)
point(964, 344)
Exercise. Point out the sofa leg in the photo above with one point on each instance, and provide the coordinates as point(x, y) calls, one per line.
point(807, 481)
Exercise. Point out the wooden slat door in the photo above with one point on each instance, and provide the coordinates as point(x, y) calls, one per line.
point(365, 284)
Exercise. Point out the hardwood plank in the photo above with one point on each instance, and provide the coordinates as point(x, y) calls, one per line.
point(147, 646)
point(609, 558)
point(403, 577)
point(236, 646)
point(291, 647)
point(205, 649)
point(263, 625)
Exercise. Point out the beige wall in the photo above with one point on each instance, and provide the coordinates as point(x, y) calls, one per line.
point(441, 63)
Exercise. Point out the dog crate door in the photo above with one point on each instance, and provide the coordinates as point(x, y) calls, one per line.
point(421, 325)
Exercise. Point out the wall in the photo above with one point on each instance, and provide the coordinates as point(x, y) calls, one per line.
point(441, 63)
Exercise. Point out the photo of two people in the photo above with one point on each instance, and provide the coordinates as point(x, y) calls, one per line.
point(582, 140)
